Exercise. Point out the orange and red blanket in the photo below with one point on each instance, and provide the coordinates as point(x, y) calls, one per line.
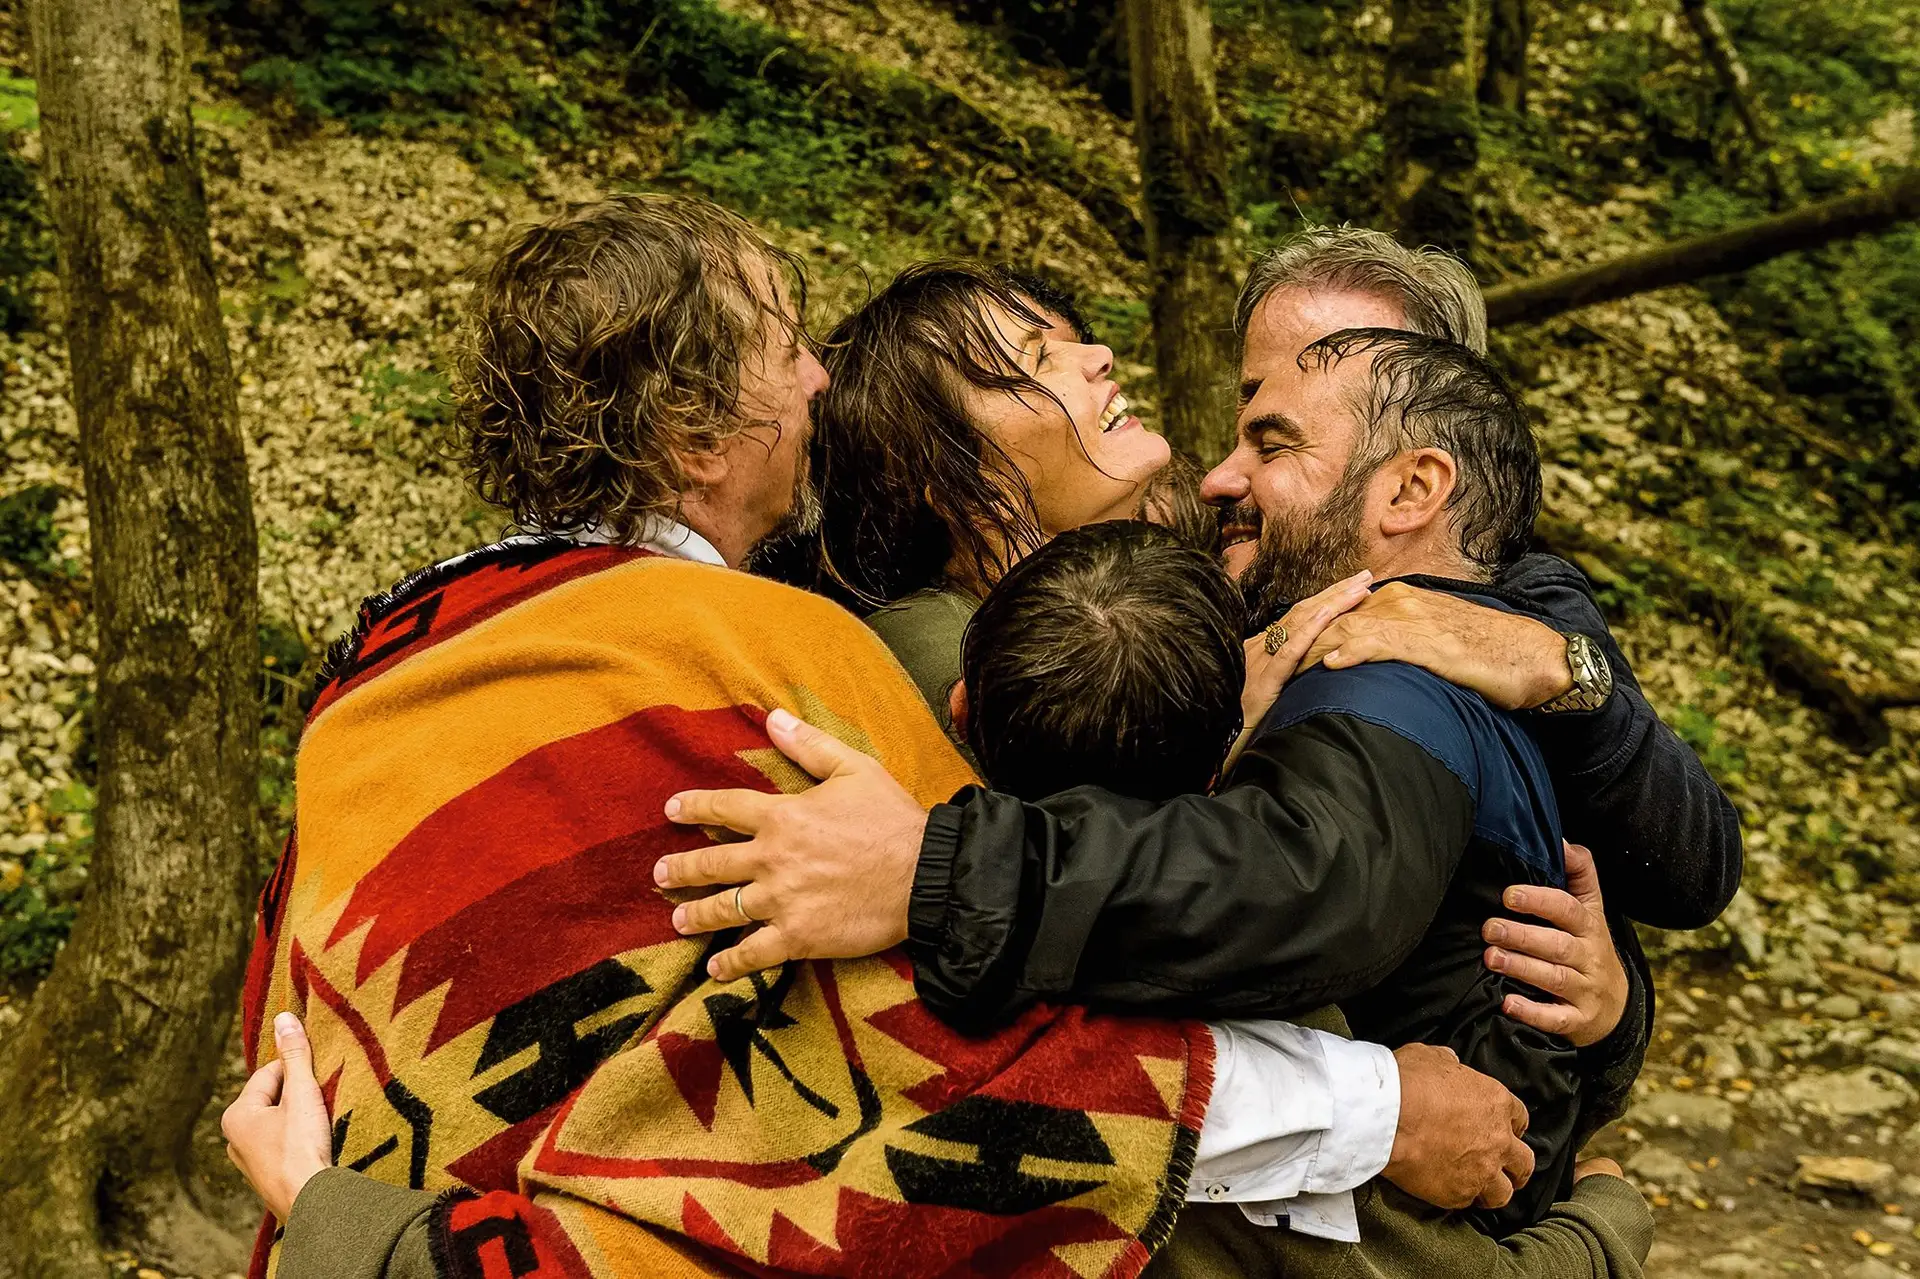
point(500, 1008)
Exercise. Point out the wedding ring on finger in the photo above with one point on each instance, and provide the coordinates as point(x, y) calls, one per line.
point(1276, 634)
point(739, 908)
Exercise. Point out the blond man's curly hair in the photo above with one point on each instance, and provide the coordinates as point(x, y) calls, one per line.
point(603, 347)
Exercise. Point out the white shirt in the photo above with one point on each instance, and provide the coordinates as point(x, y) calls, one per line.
point(1298, 1119)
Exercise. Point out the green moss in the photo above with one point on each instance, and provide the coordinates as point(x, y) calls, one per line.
point(19, 104)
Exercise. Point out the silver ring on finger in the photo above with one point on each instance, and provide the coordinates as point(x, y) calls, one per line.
point(739, 907)
point(1276, 634)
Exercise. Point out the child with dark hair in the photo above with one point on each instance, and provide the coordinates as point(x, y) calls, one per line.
point(1112, 656)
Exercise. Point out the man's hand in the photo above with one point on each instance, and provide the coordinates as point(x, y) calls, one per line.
point(1458, 1142)
point(1268, 673)
point(1575, 959)
point(827, 872)
point(1514, 662)
point(277, 1130)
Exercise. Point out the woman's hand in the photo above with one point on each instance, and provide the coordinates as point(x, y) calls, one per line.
point(1268, 673)
point(278, 1132)
point(1575, 959)
point(1596, 1168)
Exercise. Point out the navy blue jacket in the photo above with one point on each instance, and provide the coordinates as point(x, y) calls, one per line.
point(1442, 993)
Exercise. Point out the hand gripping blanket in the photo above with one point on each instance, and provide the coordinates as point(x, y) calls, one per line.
point(500, 1009)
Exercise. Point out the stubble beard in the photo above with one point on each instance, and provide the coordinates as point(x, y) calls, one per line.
point(1301, 557)
point(804, 514)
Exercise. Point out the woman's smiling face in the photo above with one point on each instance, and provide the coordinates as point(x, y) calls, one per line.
point(1087, 463)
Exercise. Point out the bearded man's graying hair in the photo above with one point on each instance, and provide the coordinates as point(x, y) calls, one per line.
point(1434, 290)
point(1425, 392)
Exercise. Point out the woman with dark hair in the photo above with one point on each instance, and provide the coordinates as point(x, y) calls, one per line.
point(969, 419)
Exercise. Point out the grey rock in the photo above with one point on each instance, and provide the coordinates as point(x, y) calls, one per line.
point(1866, 1091)
point(1715, 1057)
point(1901, 1008)
point(1686, 1111)
point(1760, 1059)
point(1734, 1263)
point(1901, 1056)
point(1871, 1268)
point(1658, 1166)
point(1838, 1007)
point(1849, 1173)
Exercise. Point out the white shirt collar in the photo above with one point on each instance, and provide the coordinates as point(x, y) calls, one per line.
point(668, 537)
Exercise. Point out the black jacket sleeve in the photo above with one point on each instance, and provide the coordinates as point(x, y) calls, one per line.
point(1608, 1068)
point(1665, 836)
point(1307, 880)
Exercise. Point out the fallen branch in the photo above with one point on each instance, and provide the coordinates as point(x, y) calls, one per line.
point(711, 53)
point(1854, 705)
point(1720, 253)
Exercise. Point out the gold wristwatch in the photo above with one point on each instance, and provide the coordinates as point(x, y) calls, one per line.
point(1592, 678)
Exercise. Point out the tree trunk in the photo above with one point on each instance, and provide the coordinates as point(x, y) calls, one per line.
point(1724, 56)
point(1189, 216)
point(1504, 81)
point(1720, 253)
point(102, 1083)
point(1432, 125)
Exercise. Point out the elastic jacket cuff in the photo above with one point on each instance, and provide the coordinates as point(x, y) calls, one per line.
point(932, 895)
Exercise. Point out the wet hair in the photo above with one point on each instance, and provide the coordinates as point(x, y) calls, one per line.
point(1425, 392)
point(603, 346)
point(1110, 657)
point(1050, 298)
point(909, 483)
point(1435, 290)
point(1172, 500)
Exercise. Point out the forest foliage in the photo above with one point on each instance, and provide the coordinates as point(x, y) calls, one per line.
point(787, 132)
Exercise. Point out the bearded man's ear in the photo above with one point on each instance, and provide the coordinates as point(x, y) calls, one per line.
point(1425, 483)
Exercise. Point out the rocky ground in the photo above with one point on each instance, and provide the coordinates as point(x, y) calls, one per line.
point(1777, 1127)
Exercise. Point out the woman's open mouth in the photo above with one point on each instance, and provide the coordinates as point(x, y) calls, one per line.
point(1115, 416)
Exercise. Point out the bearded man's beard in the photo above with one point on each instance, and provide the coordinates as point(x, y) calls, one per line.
point(1301, 557)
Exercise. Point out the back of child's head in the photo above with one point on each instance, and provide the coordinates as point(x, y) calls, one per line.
point(1112, 657)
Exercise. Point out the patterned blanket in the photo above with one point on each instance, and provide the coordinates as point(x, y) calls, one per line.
point(500, 1009)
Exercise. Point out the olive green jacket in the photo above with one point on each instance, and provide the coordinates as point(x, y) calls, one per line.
point(925, 630)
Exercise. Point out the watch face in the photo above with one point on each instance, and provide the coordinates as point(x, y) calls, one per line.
point(1591, 675)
